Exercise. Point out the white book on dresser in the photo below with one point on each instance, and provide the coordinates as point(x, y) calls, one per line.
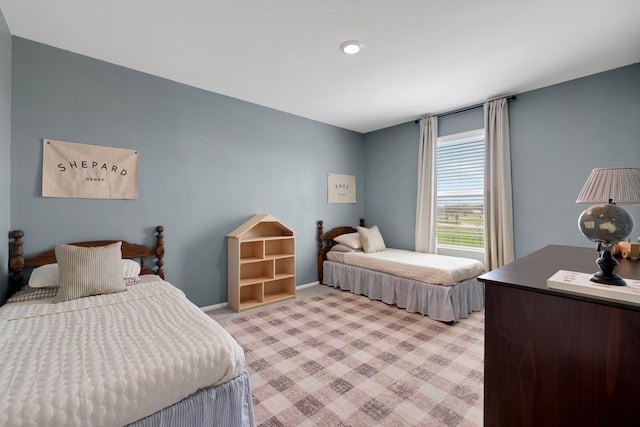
point(579, 282)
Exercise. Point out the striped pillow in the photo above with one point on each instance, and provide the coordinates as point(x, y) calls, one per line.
point(89, 271)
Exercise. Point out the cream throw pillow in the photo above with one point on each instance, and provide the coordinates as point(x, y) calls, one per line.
point(350, 239)
point(89, 271)
point(371, 239)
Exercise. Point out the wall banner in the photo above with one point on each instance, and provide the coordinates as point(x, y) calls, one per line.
point(341, 188)
point(88, 171)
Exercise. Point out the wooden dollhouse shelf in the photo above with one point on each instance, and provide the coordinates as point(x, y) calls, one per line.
point(261, 263)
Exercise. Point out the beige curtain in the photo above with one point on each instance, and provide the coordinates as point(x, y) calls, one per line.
point(498, 230)
point(425, 207)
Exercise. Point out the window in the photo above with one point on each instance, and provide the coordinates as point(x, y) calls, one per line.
point(460, 192)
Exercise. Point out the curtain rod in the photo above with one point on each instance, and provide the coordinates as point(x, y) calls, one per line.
point(461, 110)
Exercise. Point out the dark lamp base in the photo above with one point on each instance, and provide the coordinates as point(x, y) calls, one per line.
point(613, 279)
point(606, 276)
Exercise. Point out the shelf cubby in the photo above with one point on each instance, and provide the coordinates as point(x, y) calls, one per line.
point(284, 267)
point(259, 271)
point(279, 247)
point(252, 250)
point(251, 296)
point(279, 290)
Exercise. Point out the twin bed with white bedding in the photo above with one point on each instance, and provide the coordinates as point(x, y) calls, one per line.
point(441, 287)
point(140, 355)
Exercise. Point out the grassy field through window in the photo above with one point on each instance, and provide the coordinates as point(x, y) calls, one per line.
point(461, 226)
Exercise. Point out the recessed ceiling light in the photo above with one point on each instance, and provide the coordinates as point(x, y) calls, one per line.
point(351, 47)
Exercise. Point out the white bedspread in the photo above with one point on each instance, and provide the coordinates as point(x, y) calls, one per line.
point(108, 360)
point(429, 268)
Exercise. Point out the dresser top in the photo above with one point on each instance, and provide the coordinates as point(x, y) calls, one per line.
point(533, 270)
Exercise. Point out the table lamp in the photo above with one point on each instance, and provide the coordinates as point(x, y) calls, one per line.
point(607, 223)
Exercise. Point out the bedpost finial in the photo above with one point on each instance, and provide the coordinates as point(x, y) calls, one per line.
point(320, 231)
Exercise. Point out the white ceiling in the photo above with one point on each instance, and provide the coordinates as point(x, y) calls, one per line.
point(419, 56)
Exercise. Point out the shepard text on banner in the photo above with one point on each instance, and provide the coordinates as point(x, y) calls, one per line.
point(88, 171)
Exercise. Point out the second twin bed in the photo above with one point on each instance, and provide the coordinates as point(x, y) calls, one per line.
point(442, 287)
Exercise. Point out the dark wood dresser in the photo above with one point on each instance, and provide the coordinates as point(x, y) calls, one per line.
point(554, 358)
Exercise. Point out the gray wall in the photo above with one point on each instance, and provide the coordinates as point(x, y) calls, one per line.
point(207, 164)
point(5, 148)
point(558, 134)
point(391, 158)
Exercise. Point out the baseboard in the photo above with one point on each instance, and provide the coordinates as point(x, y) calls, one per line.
point(214, 307)
point(224, 304)
point(308, 285)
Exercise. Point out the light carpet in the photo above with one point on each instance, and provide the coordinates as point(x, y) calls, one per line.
point(344, 360)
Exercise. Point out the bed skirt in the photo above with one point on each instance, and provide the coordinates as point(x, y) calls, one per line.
point(443, 303)
point(228, 404)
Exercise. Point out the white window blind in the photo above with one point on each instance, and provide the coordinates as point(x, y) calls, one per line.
point(460, 191)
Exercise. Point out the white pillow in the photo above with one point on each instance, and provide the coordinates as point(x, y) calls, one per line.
point(371, 239)
point(46, 276)
point(344, 248)
point(350, 239)
point(130, 268)
point(86, 271)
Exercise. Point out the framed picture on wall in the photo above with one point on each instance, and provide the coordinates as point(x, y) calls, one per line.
point(341, 188)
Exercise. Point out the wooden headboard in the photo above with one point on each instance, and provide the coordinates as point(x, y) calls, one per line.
point(325, 241)
point(17, 262)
